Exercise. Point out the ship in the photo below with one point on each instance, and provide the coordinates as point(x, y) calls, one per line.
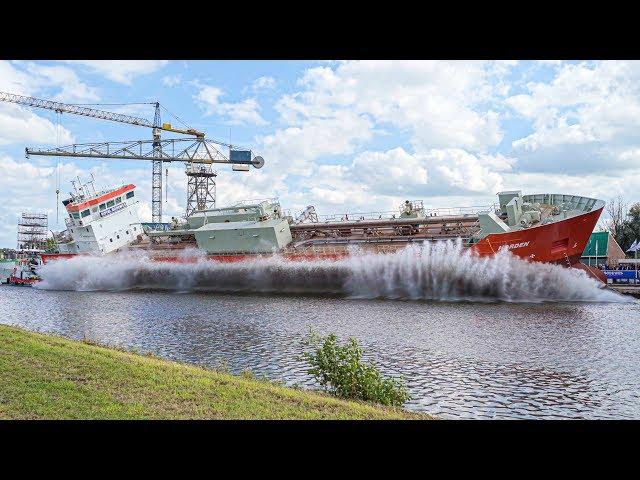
point(23, 273)
point(546, 227)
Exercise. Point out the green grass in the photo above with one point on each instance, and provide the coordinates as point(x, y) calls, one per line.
point(49, 377)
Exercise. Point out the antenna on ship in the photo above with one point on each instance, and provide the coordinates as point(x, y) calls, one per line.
point(80, 186)
point(92, 183)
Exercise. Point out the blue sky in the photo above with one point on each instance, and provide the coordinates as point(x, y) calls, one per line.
point(343, 136)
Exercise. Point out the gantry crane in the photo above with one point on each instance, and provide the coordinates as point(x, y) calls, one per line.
point(157, 150)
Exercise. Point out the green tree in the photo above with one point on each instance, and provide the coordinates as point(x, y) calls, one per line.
point(630, 230)
point(50, 244)
point(623, 223)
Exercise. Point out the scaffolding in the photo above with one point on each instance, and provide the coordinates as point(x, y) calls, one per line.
point(33, 231)
point(201, 188)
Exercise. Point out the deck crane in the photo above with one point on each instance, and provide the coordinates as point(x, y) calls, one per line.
point(157, 150)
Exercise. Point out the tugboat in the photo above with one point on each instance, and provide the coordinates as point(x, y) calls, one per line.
point(24, 273)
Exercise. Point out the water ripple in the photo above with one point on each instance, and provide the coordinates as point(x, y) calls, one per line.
point(459, 360)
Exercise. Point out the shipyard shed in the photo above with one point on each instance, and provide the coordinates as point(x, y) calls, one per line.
point(602, 248)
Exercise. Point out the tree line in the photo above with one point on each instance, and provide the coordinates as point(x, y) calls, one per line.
point(623, 222)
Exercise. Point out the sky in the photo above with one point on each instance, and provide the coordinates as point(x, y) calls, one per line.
point(344, 136)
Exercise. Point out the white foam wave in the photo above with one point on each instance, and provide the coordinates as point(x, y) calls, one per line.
point(437, 271)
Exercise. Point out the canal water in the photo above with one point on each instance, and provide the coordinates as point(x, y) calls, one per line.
point(471, 338)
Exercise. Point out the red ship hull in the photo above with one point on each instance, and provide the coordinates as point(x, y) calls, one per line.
point(23, 282)
point(560, 242)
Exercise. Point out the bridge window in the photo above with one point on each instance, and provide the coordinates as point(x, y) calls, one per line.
point(76, 215)
point(110, 203)
point(102, 206)
point(130, 194)
point(85, 213)
point(118, 200)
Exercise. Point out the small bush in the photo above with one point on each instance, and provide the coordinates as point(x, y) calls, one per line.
point(341, 371)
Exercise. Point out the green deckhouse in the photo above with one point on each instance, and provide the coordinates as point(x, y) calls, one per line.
point(258, 227)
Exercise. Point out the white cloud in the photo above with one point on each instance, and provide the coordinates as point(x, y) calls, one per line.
point(19, 125)
point(432, 173)
point(585, 122)
point(27, 187)
point(145, 213)
point(586, 117)
point(439, 103)
point(294, 149)
point(13, 80)
point(263, 83)
point(444, 107)
point(382, 180)
point(244, 112)
point(23, 125)
point(171, 80)
point(121, 71)
point(72, 90)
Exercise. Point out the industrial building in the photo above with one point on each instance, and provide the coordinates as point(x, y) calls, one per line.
point(602, 249)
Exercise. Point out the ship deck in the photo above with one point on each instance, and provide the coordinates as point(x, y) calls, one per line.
point(337, 234)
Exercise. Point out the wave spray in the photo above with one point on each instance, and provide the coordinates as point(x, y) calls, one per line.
point(433, 271)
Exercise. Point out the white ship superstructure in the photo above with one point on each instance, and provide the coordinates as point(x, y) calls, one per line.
point(100, 222)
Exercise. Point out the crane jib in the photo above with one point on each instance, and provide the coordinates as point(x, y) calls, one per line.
point(166, 150)
point(75, 109)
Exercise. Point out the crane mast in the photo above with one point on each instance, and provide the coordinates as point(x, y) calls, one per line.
point(198, 150)
point(156, 171)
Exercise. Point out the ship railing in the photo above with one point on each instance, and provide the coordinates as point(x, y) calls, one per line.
point(256, 201)
point(461, 211)
point(384, 215)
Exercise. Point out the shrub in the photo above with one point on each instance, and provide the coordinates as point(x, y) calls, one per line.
point(342, 372)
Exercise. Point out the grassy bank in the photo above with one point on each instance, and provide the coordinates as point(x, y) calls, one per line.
point(43, 376)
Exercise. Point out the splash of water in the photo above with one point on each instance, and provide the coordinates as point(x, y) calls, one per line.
point(433, 271)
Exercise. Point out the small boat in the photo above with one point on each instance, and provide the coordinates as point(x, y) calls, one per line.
point(23, 273)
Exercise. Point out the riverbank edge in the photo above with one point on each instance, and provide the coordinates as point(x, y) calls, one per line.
point(44, 376)
point(632, 291)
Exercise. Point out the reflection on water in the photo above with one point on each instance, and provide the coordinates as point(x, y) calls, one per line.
point(477, 360)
